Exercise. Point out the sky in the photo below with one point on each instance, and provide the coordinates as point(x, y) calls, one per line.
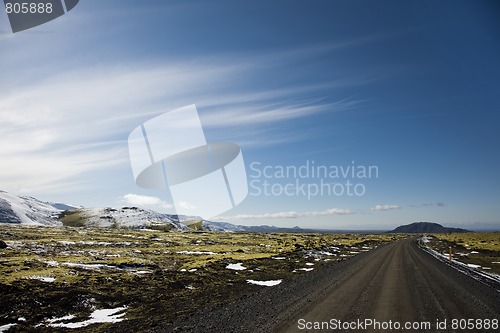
point(408, 90)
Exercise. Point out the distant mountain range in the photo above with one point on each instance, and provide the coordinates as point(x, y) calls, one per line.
point(31, 211)
point(224, 226)
point(426, 227)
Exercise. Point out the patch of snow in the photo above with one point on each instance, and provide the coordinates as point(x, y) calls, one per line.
point(66, 242)
point(42, 278)
point(269, 283)
point(473, 252)
point(278, 258)
point(53, 320)
point(98, 316)
point(143, 272)
point(52, 263)
point(353, 252)
point(425, 239)
point(196, 252)
point(5, 328)
point(309, 264)
point(190, 270)
point(495, 262)
point(486, 267)
point(236, 267)
point(474, 265)
point(89, 266)
point(302, 269)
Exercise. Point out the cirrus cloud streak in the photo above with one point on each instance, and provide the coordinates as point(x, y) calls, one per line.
point(378, 208)
point(286, 215)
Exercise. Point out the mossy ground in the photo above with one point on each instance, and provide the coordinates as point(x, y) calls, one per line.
point(159, 276)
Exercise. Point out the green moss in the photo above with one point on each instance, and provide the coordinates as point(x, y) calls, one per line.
point(72, 218)
point(474, 240)
point(162, 227)
point(144, 269)
point(196, 225)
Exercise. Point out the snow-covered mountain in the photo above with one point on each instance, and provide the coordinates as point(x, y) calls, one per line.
point(27, 210)
point(31, 211)
point(125, 217)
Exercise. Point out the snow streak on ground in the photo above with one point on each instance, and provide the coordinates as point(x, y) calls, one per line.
point(236, 267)
point(196, 252)
point(302, 269)
point(469, 269)
point(5, 328)
point(98, 316)
point(269, 283)
point(89, 266)
point(43, 278)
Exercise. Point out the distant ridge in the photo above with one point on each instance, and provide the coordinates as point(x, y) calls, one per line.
point(426, 227)
point(224, 226)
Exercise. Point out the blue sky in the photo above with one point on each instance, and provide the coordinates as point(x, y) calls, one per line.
point(409, 87)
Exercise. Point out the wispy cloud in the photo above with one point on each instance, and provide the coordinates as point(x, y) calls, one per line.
point(429, 204)
point(378, 208)
point(53, 172)
point(58, 127)
point(251, 115)
point(286, 215)
point(186, 205)
point(145, 201)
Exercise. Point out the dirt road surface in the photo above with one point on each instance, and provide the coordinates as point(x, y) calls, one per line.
point(403, 284)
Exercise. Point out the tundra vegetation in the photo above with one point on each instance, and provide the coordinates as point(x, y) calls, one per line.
point(154, 276)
